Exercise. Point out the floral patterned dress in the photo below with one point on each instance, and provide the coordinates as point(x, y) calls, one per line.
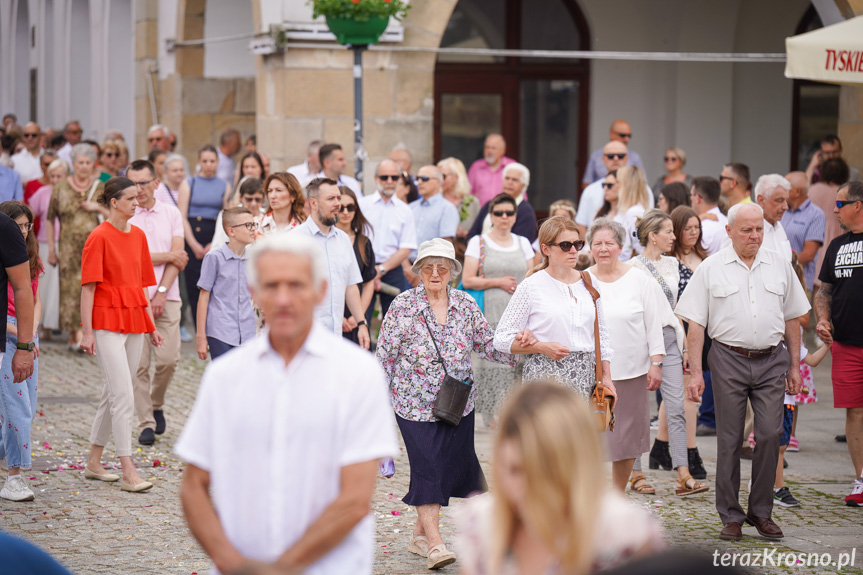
point(407, 354)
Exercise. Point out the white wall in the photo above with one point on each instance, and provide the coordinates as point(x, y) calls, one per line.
point(228, 59)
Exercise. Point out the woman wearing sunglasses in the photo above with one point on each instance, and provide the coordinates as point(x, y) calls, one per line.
point(674, 160)
point(554, 305)
point(496, 263)
point(354, 223)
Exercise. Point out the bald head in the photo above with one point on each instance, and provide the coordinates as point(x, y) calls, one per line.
point(799, 189)
point(614, 155)
point(494, 149)
point(620, 131)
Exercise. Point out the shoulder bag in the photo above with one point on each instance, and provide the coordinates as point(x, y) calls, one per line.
point(477, 294)
point(658, 277)
point(601, 403)
point(95, 185)
point(453, 395)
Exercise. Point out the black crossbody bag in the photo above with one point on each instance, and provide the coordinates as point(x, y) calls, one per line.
point(453, 395)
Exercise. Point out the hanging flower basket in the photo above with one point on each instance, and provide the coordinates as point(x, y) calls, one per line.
point(358, 22)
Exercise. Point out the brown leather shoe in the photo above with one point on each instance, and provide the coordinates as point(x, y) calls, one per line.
point(746, 453)
point(766, 527)
point(731, 532)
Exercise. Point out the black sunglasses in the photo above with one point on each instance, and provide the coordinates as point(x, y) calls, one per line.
point(721, 177)
point(385, 177)
point(607, 186)
point(423, 178)
point(350, 208)
point(669, 159)
point(567, 246)
point(623, 134)
point(501, 213)
point(842, 203)
point(26, 135)
point(615, 156)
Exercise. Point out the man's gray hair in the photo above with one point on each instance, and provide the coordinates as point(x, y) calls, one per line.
point(737, 208)
point(83, 149)
point(525, 173)
point(600, 224)
point(166, 132)
point(767, 184)
point(287, 243)
point(436, 172)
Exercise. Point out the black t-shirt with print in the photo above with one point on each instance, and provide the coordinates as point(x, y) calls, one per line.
point(843, 269)
point(13, 252)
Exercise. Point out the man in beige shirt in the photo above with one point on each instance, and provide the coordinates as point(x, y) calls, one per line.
point(748, 299)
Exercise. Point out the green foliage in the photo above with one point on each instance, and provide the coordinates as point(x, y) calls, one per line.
point(359, 10)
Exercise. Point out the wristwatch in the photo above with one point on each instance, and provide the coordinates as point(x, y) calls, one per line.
point(362, 322)
point(162, 289)
point(656, 363)
point(382, 269)
point(29, 346)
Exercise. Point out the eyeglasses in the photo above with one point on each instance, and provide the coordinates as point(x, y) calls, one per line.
point(423, 178)
point(623, 134)
point(567, 246)
point(390, 177)
point(350, 208)
point(607, 186)
point(615, 156)
point(670, 159)
point(502, 213)
point(842, 203)
point(26, 135)
point(25, 227)
point(142, 184)
point(251, 226)
point(111, 155)
point(721, 177)
point(440, 269)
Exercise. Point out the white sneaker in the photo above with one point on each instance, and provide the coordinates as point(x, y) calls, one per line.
point(16, 489)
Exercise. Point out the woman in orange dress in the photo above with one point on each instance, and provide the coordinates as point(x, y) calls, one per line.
point(115, 314)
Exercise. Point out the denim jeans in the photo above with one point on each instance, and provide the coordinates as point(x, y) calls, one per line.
point(17, 407)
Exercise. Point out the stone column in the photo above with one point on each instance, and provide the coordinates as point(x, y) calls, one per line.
point(146, 55)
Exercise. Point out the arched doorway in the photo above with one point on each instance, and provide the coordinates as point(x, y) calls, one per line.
point(539, 105)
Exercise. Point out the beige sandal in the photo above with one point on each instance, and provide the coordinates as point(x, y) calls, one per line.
point(644, 489)
point(419, 545)
point(682, 489)
point(439, 556)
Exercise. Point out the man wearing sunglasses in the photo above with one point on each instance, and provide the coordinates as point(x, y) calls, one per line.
point(434, 216)
point(73, 133)
point(597, 169)
point(837, 305)
point(27, 160)
point(734, 183)
point(163, 226)
point(516, 179)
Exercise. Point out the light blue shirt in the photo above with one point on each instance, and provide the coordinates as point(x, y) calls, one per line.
point(806, 223)
point(392, 225)
point(434, 218)
point(230, 315)
point(343, 271)
point(10, 185)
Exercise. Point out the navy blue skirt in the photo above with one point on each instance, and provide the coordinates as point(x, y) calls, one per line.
point(443, 461)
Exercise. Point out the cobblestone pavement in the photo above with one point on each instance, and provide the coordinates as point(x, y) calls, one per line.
point(93, 527)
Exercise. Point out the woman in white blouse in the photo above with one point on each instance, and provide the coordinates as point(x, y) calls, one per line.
point(496, 263)
point(555, 306)
point(633, 313)
point(656, 233)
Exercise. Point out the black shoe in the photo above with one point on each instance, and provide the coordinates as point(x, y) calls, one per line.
point(696, 466)
point(746, 453)
point(147, 437)
point(704, 430)
point(159, 416)
point(660, 455)
point(841, 438)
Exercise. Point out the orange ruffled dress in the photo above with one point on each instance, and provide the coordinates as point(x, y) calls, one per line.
point(119, 263)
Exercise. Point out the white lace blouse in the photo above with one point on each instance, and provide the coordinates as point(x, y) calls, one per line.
point(554, 312)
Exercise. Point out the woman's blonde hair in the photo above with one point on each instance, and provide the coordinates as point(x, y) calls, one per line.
point(633, 189)
point(650, 222)
point(462, 187)
point(551, 228)
point(679, 153)
point(563, 205)
point(553, 430)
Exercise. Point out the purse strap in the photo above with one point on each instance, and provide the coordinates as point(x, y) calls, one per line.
point(93, 189)
point(658, 277)
point(585, 276)
point(434, 343)
point(481, 269)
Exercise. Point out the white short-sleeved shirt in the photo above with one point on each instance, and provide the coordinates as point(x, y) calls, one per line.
point(274, 439)
point(742, 306)
point(343, 270)
point(713, 232)
point(518, 242)
point(392, 225)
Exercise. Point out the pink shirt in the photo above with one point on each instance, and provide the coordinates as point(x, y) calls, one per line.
point(166, 196)
point(486, 183)
point(39, 204)
point(10, 307)
point(161, 225)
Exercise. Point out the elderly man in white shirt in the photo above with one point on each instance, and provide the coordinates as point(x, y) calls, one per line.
point(393, 231)
point(748, 299)
point(311, 410)
point(27, 160)
point(705, 194)
point(771, 193)
point(343, 270)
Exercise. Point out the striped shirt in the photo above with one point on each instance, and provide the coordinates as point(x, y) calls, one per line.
point(805, 224)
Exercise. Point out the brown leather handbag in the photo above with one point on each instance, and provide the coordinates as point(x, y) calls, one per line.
point(601, 403)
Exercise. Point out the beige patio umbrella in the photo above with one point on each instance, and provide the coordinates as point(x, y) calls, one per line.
point(833, 54)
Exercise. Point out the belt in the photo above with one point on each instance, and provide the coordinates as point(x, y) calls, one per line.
point(750, 353)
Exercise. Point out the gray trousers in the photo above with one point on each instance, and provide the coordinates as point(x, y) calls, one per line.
point(737, 378)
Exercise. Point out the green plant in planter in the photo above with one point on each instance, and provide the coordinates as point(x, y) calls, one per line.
point(359, 10)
